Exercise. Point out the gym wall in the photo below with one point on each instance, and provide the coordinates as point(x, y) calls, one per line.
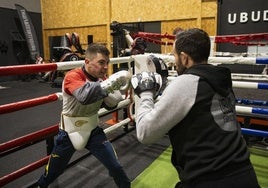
point(94, 17)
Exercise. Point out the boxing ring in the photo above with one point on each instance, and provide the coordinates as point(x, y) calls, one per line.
point(246, 114)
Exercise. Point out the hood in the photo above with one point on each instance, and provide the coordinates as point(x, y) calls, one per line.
point(218, 77)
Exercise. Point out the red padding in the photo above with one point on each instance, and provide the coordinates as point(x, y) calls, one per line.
point(35, 136)
point(12, 107)
point(27, 69)
point(16, 174)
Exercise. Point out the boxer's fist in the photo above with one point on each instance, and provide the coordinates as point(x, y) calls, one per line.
point(112, 100)
point(117, 81)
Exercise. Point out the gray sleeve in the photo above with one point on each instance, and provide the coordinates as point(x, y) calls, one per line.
point(89, 93)
point(154, 120)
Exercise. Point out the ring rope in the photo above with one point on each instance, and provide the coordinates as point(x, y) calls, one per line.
point(241, 39)
point(254, 132)
point(251, 102)
point(35, 68)
point(12, 107)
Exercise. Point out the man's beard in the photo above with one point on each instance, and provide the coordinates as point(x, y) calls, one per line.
point(180, 68)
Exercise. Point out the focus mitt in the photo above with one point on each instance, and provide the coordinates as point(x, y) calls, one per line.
point(146, 81)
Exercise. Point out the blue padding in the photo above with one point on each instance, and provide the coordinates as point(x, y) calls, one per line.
point(254, 132)
point(260, 111)
point(262, 86)
point(262, 60)
point(252, 102)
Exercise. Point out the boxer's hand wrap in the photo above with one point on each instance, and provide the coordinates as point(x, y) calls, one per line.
point(117, 81)
point(146, 81)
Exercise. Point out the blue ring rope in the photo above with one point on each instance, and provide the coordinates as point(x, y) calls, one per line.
point(254, 132)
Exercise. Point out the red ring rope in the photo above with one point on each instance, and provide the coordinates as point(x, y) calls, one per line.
point(27, 169)
point(11, 107)
point(38, 135)
point(27, 69)
point(242, 39)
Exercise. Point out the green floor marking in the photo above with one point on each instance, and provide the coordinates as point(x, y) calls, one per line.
point(259, 159)
point(161, 174)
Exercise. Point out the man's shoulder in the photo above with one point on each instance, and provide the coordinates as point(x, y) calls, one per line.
point(76, 71)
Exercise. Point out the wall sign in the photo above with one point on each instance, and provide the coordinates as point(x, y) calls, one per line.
point(244, 17)
point(241, 17)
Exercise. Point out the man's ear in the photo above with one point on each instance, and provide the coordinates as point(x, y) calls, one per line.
point(86, 61)
point(184, 58)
